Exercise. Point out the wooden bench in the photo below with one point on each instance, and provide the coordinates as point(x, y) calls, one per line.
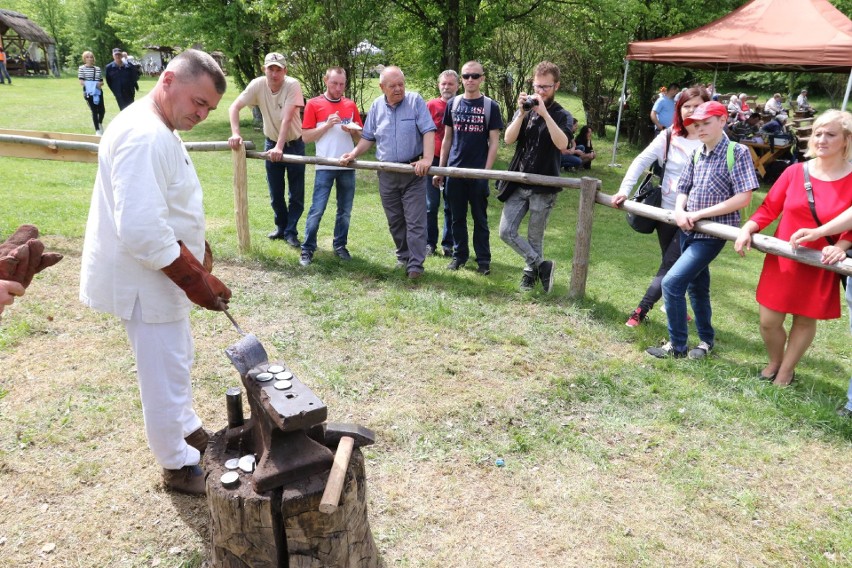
point(763, 154)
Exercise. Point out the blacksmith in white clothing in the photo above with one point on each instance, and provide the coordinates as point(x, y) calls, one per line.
point(143, 252)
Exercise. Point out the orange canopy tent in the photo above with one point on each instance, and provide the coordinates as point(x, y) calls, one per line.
point(762, 35)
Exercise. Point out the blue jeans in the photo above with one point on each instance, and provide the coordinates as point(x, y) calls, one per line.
point(691, 274)
point(462, 192)
point(4, 72)
point(323, 179)
point(286, 218)
point(433, 205)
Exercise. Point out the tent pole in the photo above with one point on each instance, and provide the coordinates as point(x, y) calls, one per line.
point(621, 101)
point(715, 74)
point(848, 87)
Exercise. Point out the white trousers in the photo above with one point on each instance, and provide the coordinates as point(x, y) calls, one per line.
point(164, 355)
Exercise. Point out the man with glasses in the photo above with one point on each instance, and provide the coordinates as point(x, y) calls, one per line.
point(542, 129)
point(471, 140)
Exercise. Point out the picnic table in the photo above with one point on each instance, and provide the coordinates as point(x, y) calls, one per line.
point(763, 154)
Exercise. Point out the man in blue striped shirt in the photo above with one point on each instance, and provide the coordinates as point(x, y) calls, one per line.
point(400, 126)
point(709, 188)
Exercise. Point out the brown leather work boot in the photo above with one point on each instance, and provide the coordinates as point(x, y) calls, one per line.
point(189, 479)
point(198, 439)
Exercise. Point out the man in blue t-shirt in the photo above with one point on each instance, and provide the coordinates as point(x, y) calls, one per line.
point(662, 115)
point(471, 140)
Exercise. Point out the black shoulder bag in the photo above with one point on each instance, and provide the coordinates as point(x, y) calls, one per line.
point(809, 189)
point(650, 193)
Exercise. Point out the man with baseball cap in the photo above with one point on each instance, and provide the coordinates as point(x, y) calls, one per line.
point(279, 99)
point(715, 185)
point(122, 79)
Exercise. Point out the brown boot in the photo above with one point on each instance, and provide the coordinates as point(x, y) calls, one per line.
point(198, 439)
point(189, 479)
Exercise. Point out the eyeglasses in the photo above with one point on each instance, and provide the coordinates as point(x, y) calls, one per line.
point(542, 87)
point(471, 75)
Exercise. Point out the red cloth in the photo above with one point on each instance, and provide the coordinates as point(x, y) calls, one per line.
point(788, 286)
point(436, 107)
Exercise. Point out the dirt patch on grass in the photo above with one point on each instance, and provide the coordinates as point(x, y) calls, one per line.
point(589, 479)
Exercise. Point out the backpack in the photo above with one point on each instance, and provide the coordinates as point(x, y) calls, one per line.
point(731, 145)
point(486, 108)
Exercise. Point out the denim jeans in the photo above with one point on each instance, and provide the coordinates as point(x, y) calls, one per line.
point(691, 274)
point(539, 206)
point(433, 205)
point(287, 218)
point(4, 72)
point(323, 179)
point(570, 161)
point(462, 192)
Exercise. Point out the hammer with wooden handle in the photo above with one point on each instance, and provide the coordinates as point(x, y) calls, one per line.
point(348, 437)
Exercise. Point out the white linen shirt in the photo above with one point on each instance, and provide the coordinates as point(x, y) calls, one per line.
point(146, 197)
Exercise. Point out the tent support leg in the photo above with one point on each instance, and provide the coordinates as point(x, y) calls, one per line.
point(621, 102)
point(846, 96)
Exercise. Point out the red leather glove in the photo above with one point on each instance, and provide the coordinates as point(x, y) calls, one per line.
point(208, 258)
point(201, 287)
point(20, 261)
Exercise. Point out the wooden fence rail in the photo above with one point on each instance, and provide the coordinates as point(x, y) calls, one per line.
point(75, 147)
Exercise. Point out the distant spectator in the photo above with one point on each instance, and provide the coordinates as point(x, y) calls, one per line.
point(744, 129)
point(583, 144)
point(802, 100)
point(570, 157)
point(122, 79)
point(4, 73)
point(662, 115)
point(775, 126)
point(90, 78)
point(734, 106)
point(774, 106)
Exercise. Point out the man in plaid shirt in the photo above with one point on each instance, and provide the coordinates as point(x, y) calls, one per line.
point(708, 189)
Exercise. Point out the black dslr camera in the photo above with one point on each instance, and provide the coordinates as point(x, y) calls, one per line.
point(529, 103)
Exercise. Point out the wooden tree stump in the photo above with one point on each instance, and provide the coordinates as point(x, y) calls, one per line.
point(283, 528)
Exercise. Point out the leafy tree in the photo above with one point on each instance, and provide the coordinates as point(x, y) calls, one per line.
point(453, 31)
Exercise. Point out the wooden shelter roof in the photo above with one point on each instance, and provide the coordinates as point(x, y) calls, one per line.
point(23, 26)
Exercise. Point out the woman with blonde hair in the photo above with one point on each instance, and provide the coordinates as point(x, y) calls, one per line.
point(90, 78)
point(806, 292)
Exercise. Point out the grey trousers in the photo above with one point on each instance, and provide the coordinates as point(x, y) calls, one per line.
point(404, 200)
point(539, 206)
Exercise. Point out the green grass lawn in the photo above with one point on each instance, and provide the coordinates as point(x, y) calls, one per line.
point(611, 458)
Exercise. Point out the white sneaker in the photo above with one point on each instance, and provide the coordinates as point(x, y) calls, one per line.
point(701, 350)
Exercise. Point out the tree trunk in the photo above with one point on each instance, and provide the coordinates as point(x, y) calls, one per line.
point(283, 528)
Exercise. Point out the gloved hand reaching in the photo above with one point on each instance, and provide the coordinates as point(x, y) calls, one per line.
point(201, 287)
point(22, 256)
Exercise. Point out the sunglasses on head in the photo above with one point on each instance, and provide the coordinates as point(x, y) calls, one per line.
point(471, 75)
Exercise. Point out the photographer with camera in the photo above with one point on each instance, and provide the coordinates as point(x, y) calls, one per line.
point(542, 129)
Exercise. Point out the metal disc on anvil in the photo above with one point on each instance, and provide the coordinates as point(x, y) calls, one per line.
point(284, 376)
point(275, 369)
point(230, 479)
point(283, 385)
point(247, 463)
point(263, 377)
point(232, 463)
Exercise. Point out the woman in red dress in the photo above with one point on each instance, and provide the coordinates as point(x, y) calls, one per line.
point(786, 287)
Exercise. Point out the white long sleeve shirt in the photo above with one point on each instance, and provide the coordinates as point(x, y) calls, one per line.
point(680, 152)
point(146, 197)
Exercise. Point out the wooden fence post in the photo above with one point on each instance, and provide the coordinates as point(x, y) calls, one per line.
point(583, 238)
point(238, 157)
